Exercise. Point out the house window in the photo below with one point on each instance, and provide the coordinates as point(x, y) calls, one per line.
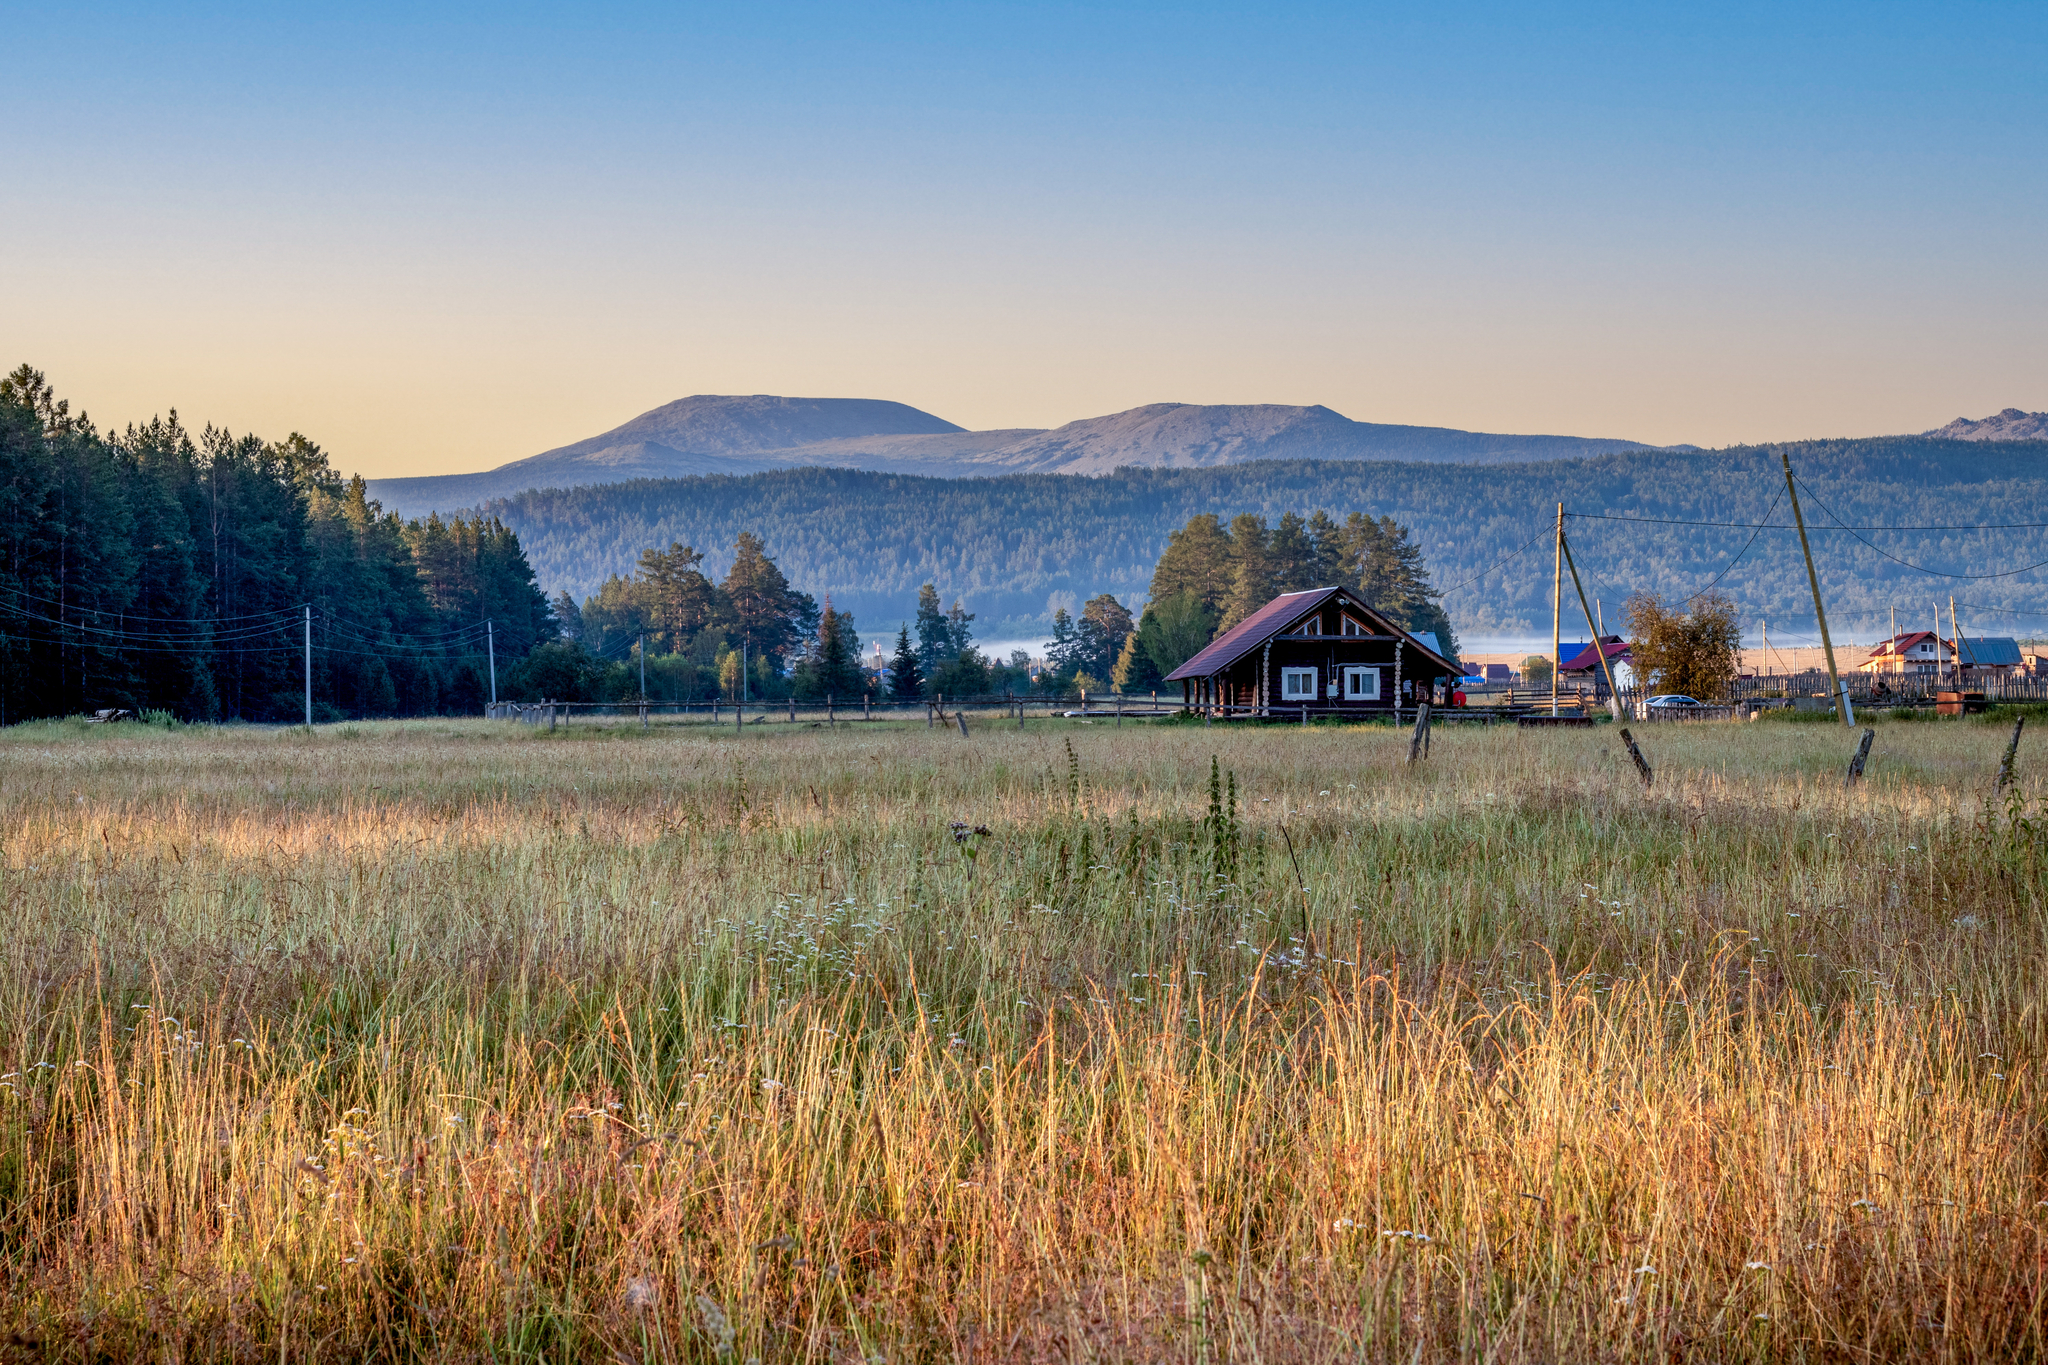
point(1312, 626)
point(1361, 684)
point(1297, 684)
point(1352, 627)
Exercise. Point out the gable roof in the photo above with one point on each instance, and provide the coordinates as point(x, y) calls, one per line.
point(1273, 619)
point(1585, 661)
point(1899, 644)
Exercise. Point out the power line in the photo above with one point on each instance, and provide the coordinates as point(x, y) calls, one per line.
point(1780, 526)
point(1516, 554)
point(1918, 568)
point(1738, 554)
point(163, 620)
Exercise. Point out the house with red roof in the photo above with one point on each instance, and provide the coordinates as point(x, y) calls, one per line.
point(1323, 652)
point(1916, 651)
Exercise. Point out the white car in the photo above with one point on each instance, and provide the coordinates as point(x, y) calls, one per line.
point(1674, 699)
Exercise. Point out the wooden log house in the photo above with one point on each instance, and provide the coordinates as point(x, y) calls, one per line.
point(1325, 650)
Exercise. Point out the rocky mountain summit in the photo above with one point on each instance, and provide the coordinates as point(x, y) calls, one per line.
point(2009, 425)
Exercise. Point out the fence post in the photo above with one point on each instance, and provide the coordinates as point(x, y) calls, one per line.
point(961, 716)
point(1418, 743)
point(865, 699)
point(1642, 764)
point(1855, 773)
point(830, 719)
point(2011, 752)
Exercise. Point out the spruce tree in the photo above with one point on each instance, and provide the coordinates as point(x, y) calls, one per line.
point(934, 631)
point(906, 678)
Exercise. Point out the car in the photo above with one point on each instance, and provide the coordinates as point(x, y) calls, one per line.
point(1675, 699)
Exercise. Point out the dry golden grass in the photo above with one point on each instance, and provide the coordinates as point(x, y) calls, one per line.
point(459, 1041)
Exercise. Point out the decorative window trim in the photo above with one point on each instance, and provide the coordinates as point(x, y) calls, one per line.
point(1298, 684)
point(1367, 676)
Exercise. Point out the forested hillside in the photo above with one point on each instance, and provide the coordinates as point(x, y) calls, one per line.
point(1017, 547)
point(164, 570)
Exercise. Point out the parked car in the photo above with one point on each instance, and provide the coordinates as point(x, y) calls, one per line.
point(1674, 699)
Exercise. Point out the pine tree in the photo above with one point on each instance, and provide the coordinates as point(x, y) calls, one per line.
point(934, 632)
point(906, 678)
point(837, 665)
point(1099, 639)
point(1199, 559)
point(1062, 651)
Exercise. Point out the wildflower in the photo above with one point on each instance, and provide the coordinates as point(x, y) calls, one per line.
point(1646, 1270)
point(1756, 1265)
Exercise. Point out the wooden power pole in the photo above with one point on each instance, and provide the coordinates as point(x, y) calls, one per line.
point(1841, 692)
point(1556, 612)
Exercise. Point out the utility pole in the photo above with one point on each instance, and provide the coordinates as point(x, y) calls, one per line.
point(739, 710)
point(1841, 690)
point(491, 651)
point(1556, 617)
point(643, 680)
point(309, 668)
point(1767, 647)
point(1956, 631)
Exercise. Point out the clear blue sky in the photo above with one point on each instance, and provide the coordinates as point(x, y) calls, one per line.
point(440, 239)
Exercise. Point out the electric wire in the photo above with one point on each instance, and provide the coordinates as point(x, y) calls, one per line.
point(1918, 568)
point(1790, 526)
point(1512, 555)
point(277, 612)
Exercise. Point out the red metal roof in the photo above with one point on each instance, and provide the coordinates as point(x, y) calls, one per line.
point(1901, 643)
point(1613, 646)
point(1273, 619)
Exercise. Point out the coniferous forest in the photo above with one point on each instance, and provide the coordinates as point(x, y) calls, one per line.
point(1017, 548)
point(165, 570)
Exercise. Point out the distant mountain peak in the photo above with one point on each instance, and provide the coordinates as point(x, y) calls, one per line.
point(734, 434)
point(2011, 424)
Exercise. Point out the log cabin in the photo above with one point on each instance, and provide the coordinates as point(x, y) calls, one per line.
point(1324, 651)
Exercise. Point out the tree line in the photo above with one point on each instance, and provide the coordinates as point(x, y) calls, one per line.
point(159, 569)
point(1017, 546)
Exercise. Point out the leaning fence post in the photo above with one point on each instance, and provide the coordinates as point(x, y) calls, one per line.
point(1855, 773)
point(961, 716)
point(1642, 764)
point(2012, 750)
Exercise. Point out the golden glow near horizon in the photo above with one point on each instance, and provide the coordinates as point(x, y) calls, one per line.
point(437, 241)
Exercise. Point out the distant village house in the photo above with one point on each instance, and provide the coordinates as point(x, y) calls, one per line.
point(1321, 651)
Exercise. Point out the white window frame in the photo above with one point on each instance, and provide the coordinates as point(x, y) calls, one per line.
point(1363, 673)
point(1298, 684)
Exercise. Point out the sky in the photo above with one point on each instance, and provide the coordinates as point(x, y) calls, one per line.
point(437, 238)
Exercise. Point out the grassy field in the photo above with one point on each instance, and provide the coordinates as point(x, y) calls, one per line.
point(461, 1041)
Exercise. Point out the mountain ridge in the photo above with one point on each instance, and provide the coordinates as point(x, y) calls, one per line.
point(733, 434)
point(1016, 546)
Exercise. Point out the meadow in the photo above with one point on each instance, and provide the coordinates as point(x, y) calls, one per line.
point(464, 1041)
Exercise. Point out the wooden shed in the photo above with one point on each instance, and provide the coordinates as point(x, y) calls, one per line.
point(1321, 652)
